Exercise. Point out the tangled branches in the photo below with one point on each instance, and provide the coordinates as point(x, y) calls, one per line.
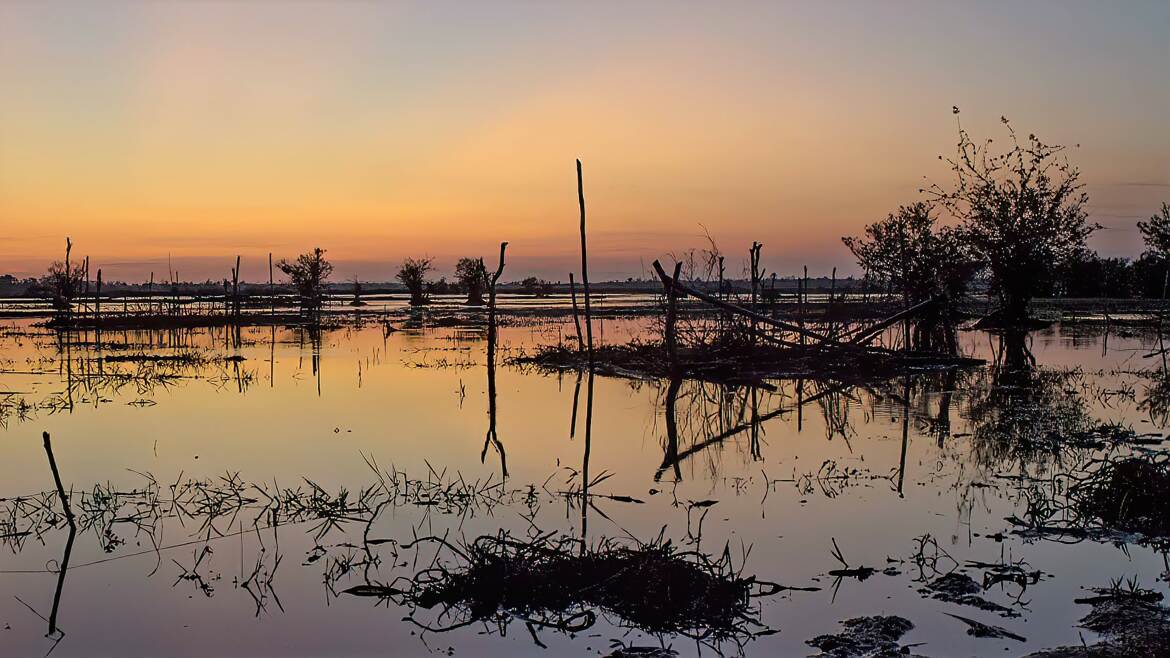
point(558, 583)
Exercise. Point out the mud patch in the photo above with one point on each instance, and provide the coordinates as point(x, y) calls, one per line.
point(865, 637)
point(961, 589)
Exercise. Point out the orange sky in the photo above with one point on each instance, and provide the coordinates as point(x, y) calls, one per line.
point(203, 130)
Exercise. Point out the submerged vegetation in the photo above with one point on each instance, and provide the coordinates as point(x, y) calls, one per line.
point(1129, 495)
point(558, 583)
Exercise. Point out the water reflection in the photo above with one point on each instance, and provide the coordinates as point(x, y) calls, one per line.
point(892, 450)
point(711, 415)
point(492, 439)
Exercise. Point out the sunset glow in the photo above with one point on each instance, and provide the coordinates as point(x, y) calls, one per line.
point(204, 130)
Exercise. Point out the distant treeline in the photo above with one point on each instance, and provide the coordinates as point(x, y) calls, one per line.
point(1089, 275)
point(12, 286)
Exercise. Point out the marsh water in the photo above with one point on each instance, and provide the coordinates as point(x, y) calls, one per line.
point(174, 444)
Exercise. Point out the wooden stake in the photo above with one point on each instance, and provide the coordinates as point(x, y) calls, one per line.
point(671, 319)
point(576, 319)
point(271, 290)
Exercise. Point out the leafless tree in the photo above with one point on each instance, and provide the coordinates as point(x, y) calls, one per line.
point(63, 281)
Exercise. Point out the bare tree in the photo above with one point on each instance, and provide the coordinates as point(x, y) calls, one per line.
point(1023, 213)
point(308, 274)
point(63, 281)
point(470, 272)
point(413, 275)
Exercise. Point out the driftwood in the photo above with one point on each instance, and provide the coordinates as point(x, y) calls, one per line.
point(859, 339)
point(863, 336)
point(672, 284)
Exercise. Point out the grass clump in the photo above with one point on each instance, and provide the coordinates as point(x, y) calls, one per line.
point(1128, 495)
point(561, 584)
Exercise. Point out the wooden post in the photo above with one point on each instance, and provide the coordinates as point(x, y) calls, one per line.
point(576, 319)
point(85, 293)
point(585, 267)
point(806, 284)
point(803, 299)
point(236, 289)
point(722, 294)
point(670, 335)
point(754, 260)
point(271, 290)
point(723, 297)
point(97, 313)
point(66, 285)
point(829, 306)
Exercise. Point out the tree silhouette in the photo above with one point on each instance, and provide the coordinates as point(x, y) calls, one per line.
point(63, 281)
point(469, 272)
point(918, 260)
point(1156, 232)
point(413, 275)
point(1023, 213)
point(308, 274)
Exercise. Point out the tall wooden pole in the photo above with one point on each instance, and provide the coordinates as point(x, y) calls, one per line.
point(585, 267)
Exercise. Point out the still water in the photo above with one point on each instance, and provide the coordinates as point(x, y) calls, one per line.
point(224, 421)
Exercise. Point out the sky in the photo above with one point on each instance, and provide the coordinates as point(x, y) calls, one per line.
point(191, 132)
